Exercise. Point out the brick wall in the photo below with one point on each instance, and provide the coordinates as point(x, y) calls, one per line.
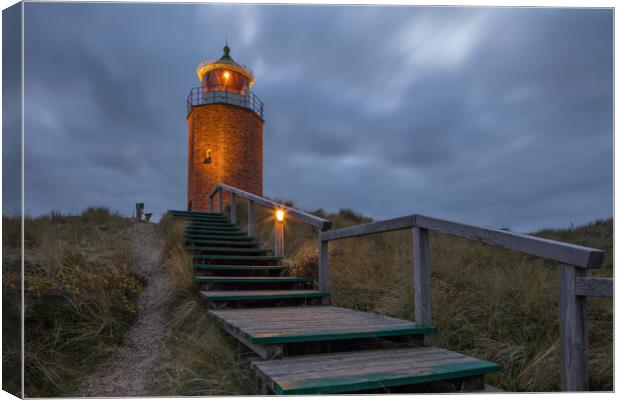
point(235, 137)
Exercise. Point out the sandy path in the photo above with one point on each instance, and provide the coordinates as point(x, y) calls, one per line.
point(127, 371)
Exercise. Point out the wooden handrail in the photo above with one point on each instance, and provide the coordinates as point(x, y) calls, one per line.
point(321, 223)
point(566, 253)
point(572, 260)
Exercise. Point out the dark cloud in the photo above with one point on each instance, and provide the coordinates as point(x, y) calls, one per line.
point(499, 117)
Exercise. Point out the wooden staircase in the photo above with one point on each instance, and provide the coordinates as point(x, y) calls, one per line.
point(307, 346)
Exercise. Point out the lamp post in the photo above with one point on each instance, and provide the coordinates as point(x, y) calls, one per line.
point(279, 233)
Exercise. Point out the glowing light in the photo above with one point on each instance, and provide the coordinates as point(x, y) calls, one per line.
point(279, 215)
point(226, 75)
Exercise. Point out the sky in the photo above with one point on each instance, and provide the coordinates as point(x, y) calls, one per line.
point(497, 117)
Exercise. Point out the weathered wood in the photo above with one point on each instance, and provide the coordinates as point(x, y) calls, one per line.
point(573, 339)
point(233, 208)
point(279, 325)
point(368, 229)
point(279, 238)
point(566, 253)
point(304, 216)
point(251, 221)
point(220, 201)
point(595, 287)
point(323, 264)
point(366, 370)
point(422, 276)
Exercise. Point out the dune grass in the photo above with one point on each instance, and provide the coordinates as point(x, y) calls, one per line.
point(80, 292)
point(203, 360)
point(488, 302)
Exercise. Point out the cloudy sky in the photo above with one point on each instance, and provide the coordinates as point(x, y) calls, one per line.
point(499, 117)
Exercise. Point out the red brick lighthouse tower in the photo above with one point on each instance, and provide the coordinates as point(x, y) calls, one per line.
point(225, 132)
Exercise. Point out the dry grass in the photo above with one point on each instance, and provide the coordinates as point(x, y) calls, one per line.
point(80, 292)
point(487, 302)
point(203, 361)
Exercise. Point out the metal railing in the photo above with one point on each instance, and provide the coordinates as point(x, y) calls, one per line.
point(198, 96)
point(573, 261)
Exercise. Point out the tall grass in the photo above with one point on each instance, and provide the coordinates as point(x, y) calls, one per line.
point(80, 292)
point(203, 360)
point(487, 302)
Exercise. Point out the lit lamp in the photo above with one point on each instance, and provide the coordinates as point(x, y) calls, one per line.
point(279, 233)
point(279, 215)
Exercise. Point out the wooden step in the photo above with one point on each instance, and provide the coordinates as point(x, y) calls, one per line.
point(252, 295)
point(278, 325)
point(228, 250)
point(206, 267)
point(212, 228)
point(225, 234)
point(237, 237)
point(366, 370)
point(211, 243)
point(210, 257)
point(250, 279)
point(196, 213)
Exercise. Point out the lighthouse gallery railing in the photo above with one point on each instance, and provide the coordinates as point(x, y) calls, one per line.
point(198, 96)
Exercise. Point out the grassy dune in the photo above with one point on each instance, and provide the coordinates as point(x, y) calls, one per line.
point(487, 302)
point(80, 293)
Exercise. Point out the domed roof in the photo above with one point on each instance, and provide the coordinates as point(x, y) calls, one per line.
point(224, 62)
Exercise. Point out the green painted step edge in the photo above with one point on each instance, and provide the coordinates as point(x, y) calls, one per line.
point(323, 336)
point(230, 234)
point(193, 229)
point(310, 294)
point(218, 257)
point(355, 383)
point(240, 239)
point(205, 267)
point(224, 242)
point(243, 279)
point(227, 249)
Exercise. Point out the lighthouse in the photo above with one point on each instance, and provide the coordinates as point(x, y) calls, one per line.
point(225, 132)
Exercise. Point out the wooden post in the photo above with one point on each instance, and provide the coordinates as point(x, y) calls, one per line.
point(251, 226)
point(421, 277)
point(279, 239)
point(573, 337)
point(220, 200)
point(323, 264)
point(210, 204)
point(233, 208)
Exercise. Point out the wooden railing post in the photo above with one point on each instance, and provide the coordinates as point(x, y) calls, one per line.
point(573, 338)
point(279, 238)
point(421, 277)
point(251, 226)
point(233, 208)
point(323, 264)
point(220, 200)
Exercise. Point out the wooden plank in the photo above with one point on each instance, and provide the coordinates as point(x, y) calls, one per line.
point(573, 339)
point(233, 208)
point(206, 267)
point(279, 238)
point(422, 277)
point(248, 295)
point(566, 253)
point(250, 279)
point(265, 352)
point(318, 323)
point(368, 229)
point(595, 287)
point(304, 216)
point(251, 220)
point(323, 265)
point(365, 370)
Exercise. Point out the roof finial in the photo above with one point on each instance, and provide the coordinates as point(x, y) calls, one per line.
point(226, 48)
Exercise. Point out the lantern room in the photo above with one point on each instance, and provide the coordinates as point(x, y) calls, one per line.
point(226, 75)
